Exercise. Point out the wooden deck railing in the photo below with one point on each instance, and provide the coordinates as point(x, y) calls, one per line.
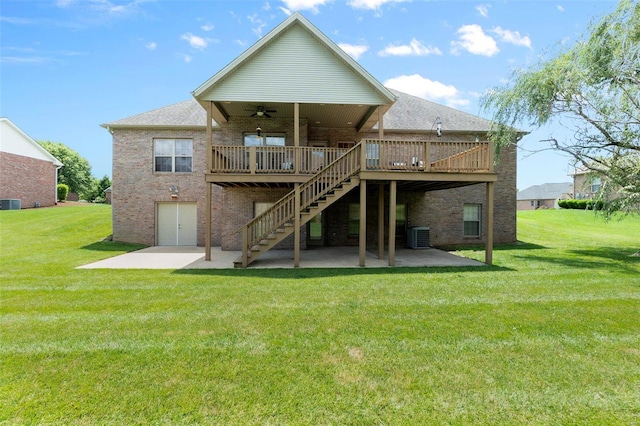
point(272, 159)
point(376, 155)
point(429, 156)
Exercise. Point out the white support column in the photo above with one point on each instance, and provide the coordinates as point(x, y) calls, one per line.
point(488, 251)
point(392, 222)
point(208, 219)
point(363, 222)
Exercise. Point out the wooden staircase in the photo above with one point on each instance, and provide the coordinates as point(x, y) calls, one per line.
point(326, 187)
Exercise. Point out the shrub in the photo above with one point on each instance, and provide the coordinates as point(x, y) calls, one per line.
point(63, 190)
point(581, 204)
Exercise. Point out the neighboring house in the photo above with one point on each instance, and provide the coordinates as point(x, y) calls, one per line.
point(585, 183)
point(107, 195)
point(545, 196)
point(29, 172)
point(293, 145)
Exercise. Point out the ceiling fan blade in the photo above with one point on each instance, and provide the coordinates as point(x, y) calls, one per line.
point(266, 115)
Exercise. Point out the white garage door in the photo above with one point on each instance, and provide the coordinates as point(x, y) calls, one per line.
point(177, 224)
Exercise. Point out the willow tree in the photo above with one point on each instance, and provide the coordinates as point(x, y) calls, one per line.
point(591, 88)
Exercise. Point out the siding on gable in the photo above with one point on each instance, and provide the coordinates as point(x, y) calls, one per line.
point(296, 67)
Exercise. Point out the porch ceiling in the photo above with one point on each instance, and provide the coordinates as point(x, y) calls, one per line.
point(360, 117)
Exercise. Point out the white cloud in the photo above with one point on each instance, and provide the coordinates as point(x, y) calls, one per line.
point(512, 37)
point(370, 4)
point(414, 48)
point(195, 41)
point(427, 89)
point(311, 5)
point(473, 39)
point(151, 45)
point(483, 10)
point(285, 10)
point(560, 8)
point(354, 50)
point(186, 58)
point(207, 27)
point(258, 24)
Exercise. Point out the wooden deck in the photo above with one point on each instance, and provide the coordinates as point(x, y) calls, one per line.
point(407, 161)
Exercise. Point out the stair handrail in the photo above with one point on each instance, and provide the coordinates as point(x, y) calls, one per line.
point(330, 176)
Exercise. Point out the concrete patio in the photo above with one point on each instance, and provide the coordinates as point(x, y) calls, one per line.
point(163, 257)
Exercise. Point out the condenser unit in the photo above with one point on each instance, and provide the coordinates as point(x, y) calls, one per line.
point(418, 237)
point(9, 204)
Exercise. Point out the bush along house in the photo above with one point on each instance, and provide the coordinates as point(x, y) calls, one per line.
point(292, 145)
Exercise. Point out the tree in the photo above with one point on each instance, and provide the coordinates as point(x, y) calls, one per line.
point(593, 89)
point(75, 172)
point(97, 195)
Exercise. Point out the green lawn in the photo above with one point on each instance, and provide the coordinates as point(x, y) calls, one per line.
point(548, 335)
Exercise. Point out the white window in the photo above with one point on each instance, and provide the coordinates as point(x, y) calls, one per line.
point(173, 155)
point(596, 183)
point(265, 139)
point(472, 216)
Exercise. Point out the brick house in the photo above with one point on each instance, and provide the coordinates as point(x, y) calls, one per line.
point(545, 196)
point(29, 172)
point(293, 145)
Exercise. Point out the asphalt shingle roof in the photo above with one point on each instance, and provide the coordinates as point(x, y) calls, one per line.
point(414, 113)
point(187, 113)
point(408, 113)
point(546, 191)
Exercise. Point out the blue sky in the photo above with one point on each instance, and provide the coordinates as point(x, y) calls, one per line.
point(66, 66)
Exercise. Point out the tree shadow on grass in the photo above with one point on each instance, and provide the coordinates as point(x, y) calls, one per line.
point(613, 259)
point(285, 273)
point(517, 246)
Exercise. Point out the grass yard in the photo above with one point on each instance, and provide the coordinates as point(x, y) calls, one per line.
point(548, 335)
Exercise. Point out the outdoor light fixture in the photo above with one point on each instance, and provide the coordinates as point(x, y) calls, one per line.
point(259, 130)
point(437, 123)
point(173, 189)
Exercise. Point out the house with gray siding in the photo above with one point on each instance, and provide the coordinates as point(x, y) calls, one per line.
point(294, 145)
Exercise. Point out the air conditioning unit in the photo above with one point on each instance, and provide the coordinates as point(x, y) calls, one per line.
point(418, 237)
point(9, 204)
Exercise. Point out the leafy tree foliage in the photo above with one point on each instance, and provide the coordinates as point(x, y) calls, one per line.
point(75, 172)
point(96, 194)
point(593, 89)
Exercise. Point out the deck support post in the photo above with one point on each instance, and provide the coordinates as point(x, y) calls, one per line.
point(296, 230)
point(363, 223)
point(392, 222)
point(488, 251)
point(208, 219)
point(381, 221)
point(296, 137)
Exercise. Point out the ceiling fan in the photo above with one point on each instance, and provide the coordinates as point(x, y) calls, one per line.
point(261, 111)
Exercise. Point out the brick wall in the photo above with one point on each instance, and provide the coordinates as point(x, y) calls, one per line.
point(27, 179)
point(136, 189)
